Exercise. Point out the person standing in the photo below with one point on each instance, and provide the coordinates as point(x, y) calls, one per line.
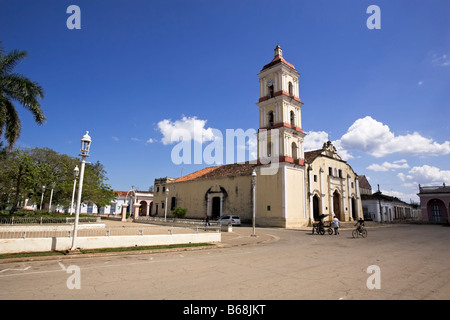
point(335, 223)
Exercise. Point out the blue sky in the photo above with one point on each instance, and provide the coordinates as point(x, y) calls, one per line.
point(382, 96)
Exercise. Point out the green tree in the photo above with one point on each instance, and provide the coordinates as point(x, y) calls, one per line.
point(16, 87)
point(24, 172)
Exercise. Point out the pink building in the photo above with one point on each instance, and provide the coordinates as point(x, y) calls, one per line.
point(435, 203)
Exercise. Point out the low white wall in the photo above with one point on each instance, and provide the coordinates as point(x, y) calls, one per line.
point(62, 227)
point(61, 244)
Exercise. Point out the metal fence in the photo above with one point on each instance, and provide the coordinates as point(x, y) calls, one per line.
point(193, 222)
point(44, 220)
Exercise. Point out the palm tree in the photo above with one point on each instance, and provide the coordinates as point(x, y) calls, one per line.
point(16, 87)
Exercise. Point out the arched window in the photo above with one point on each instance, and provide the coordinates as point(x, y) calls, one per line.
point(270, 91)
point(270, 118)
point(291, 89)
point(294, 151)
point(292, 119)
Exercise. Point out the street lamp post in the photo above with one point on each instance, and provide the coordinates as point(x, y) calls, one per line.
point(85, 145)
point(254, 202)
point(76, 172)
point(42, 197)
point(165, 207)
point(51, 196)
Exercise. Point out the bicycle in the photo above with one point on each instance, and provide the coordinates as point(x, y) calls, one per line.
point(361, 231)
point(320, 229)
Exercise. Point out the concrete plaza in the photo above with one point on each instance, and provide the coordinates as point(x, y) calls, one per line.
point(412, 261)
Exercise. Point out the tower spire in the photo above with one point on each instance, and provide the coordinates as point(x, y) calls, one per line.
point(278, 51)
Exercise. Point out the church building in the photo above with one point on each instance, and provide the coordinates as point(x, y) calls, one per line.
point(292, 187)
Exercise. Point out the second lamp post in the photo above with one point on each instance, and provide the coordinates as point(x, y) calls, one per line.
point(85, 145)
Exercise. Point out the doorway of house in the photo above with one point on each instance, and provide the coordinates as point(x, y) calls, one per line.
point(215, 207)
point(316, 210)
point(336, 205)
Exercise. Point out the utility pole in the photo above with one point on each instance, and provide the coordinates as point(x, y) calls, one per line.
point(379, 203)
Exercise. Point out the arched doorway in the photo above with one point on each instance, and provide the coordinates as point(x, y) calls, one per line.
point(215, 212)
point(337, 204)
point(354, 213)
point(215, 201)
point(436, 211)
point(143, 209)
point(316, 207)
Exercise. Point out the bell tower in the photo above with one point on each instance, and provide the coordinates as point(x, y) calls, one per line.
point(280, 108)
point(280, 189)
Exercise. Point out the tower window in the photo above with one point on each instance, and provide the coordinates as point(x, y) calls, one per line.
point(294, 151)
point(292, 119)
point(270, 118)
point(291, 89)
point(269, 149)
point(271, 91)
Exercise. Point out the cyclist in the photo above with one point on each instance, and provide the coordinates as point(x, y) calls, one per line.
point(360, 225)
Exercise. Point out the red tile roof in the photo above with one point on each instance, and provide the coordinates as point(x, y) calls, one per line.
point(228, 170)
point(276, 60)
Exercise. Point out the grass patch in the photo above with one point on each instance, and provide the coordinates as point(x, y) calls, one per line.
point(30, 254)
point(102, 250)
point(143, 248)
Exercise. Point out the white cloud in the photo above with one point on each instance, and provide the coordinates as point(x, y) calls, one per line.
point(188, 128)
point(375, 138)
point(150, 140)
point(115, 138)
point(426, 175)
point(315, 139)
point(420, 83)
point(386, 166)
point(440, 60)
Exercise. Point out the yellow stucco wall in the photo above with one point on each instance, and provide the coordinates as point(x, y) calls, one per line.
point(236, 194)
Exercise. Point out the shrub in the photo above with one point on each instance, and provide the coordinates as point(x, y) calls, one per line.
point(179, 212)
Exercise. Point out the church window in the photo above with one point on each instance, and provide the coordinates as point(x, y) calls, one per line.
point(270, 119)
point(340, 173)
point(292, 119)
point(290, 88)
point(330, 171)
point(294, 151)
point(268, 208)
point(270, 91)
point(315, 178)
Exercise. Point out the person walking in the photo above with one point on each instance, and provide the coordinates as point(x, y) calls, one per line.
point(335, 223)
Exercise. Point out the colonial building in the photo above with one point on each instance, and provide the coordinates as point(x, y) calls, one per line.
point(293, 187)
point(383, 208)
point(435, 203)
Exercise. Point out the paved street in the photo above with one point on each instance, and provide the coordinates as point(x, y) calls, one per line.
point(412, 259)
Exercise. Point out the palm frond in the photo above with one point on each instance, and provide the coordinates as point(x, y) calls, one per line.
point(25, 91)
point(13, 124)
point(9, 61)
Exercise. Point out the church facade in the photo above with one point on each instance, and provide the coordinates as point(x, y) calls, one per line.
point(292, 188)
